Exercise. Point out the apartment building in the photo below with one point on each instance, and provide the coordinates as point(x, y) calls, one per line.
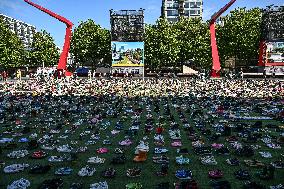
point(23, 30)
point(173, 9)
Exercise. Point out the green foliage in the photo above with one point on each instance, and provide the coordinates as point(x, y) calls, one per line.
point(91, 44)
point(43, 50)
point(194, 41)
point(240, 35)
point(11, 48)
point(161, 45)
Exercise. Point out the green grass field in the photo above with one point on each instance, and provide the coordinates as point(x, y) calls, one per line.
point(148, 177)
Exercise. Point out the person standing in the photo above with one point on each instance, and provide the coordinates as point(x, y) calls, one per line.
point(90, 75)
point(4, 75)
point(19, 74)
point(242, 73)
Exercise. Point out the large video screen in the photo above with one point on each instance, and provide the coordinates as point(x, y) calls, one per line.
point(127, 54)
point(275, 52)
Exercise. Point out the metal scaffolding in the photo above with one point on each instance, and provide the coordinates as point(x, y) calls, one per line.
point(127, 25)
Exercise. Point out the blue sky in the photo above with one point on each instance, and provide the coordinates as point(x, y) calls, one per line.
point(98, 10)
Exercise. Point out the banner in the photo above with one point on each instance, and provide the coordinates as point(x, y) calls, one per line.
point(127, 54)
point(275, 52)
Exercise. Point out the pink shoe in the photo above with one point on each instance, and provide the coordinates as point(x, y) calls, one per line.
point(176, 144)
point(217, 146)
point(102, 150)
point(126, 142)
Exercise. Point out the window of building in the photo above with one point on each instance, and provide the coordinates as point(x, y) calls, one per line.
point(186, 5)
point(186, 13)
point(172, 13)
point(172, 19)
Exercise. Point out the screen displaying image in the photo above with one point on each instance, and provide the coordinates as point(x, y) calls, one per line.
point(127, 53)
point(275, 51)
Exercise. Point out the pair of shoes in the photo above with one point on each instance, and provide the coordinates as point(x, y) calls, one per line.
point(176, 144)
point(56, 159)
point(159, 137)
point(48, 147)
point(217, 146)
point(175, 134)
point(265, 154)
point(99, 185)
point(76, 185)
point(233, 161)
point(208, 160)
point(182, 160)
point(126, 142)
point(253, 163)
point(19, 184)
point(18, 154)
point(102, 150)
point(14, 168)
point(160, 150)
point(118, 151)
point(96, 160)
point(39, 154)
point(215, 174)
point(161, 159)
point(141, 157)
point(64, 148)
point(183, 174)
point(63, 171)
point(279, 186)
point(143, 146)
point(133, 186)
point(86, 171)
point(134, 172)
point(109, 173)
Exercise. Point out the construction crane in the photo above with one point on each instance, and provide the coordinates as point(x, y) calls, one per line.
point(215, 54)
point(62, 63)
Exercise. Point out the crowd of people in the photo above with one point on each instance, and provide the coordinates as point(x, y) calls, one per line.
point(188, 133)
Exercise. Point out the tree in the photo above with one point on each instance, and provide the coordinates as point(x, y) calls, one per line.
point(43, 50)
point(194, 41)
point(161, 45)
point(91, 44)
point(240, 35)
point(11, 48)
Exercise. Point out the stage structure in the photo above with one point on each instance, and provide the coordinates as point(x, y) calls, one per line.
point(216, 66)
point(62, 63)
point(127, 41)
point(271, 52)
